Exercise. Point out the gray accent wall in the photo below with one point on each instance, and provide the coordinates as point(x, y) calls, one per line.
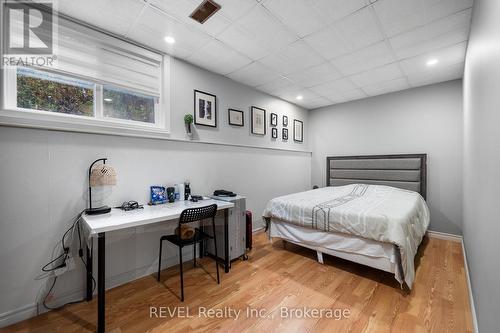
point(482, 162)
point(43, 185)
point(421, 120)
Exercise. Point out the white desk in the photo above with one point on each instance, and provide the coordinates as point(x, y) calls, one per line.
point(117, 219)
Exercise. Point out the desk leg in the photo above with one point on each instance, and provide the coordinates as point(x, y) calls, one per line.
point(101, 303)
point(227, 261)
point(89, 270)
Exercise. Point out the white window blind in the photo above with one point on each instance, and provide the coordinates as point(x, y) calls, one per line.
point(89, 53)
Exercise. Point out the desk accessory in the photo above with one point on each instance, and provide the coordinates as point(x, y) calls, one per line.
point(224, 193)
point(177, 194)
point(196, 198)
point(171, 194)
point(158, 195)
point(130, 205)
point(187, 190)
point(99, 176)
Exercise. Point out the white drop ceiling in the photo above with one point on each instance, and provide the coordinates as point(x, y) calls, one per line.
point(328, 51)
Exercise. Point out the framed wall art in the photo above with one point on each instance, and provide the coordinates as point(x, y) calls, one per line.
point(258, 121)
point(205, 109)
point(236, 117)
point(284, 134)
point(274, 119)
point(298, 130)
point(285, 121)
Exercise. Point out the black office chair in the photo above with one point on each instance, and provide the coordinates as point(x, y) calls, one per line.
point(188, 216)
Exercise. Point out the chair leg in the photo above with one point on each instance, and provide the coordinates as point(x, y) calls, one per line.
point(159, 262)
point(194, 255)
point(216, 255)
point(182, 277)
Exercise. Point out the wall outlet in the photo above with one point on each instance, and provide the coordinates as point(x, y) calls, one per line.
point(70, 263)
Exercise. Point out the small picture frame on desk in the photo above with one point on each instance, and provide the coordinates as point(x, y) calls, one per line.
point(236, 117)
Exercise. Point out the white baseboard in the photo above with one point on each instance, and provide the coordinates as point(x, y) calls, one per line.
point(469, 285)
point(444, 235)
point(34, 309)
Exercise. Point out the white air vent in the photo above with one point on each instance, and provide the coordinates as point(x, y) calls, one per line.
point(204, 11)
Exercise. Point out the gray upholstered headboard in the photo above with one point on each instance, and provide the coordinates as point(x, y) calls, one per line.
point(403, 171)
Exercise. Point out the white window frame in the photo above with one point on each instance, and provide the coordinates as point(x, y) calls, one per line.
point(13, 115)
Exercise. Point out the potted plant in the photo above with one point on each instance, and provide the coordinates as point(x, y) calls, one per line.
point(188, 120)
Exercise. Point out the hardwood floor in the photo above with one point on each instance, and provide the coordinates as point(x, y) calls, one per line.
point(275, 278)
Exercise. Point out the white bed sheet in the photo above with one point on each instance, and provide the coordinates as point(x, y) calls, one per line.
point(367, 252)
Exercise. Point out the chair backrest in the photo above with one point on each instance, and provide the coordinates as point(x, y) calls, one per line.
point(199, 213)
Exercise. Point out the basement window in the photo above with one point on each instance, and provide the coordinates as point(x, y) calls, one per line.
point(98, 83)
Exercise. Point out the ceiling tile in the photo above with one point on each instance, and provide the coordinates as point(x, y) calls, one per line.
point(254, 74)
point(448, 73)
point(153, 26)
point(315, 75)
point(447, 56)
point(447, 31)
point(399, 16)
point(305, 17)
point(277, 85)
point(367, 58)
point(115, 16)
point(290, 94)
point(334, 90)
point(291, 58)
point(219, 58)
point(347, 35)
point(334, 10)
point(314, 103)
point(386, 87)
point(234, 9)
point(298, 15)
point(351, 95)
point(380, 74)
point(257, 34)
point(179, 9)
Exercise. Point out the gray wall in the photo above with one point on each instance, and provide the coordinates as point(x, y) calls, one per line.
point(43, 185)
point(422, 120)
point(482, 161)
point(230, 94)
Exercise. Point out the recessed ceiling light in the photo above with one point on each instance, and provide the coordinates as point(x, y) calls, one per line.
point(432, 62)
point(108, 100)
point(170, 39)
point(300, 97)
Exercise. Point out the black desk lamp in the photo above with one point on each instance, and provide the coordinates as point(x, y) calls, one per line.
point(99, 176)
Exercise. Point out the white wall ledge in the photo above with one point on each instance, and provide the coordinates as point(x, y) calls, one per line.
point(157, 134)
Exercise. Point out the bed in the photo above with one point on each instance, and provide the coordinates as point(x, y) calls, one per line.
point(372, 212)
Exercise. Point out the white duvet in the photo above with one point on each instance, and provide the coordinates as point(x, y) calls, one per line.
point(380, 213)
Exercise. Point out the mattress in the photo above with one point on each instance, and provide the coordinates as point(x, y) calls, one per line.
point(379, 213)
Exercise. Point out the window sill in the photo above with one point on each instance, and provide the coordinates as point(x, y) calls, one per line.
point(82, 125)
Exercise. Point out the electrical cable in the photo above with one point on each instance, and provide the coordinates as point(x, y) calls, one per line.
point(65, 254)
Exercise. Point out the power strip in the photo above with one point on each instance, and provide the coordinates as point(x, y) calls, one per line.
point(69, 264)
